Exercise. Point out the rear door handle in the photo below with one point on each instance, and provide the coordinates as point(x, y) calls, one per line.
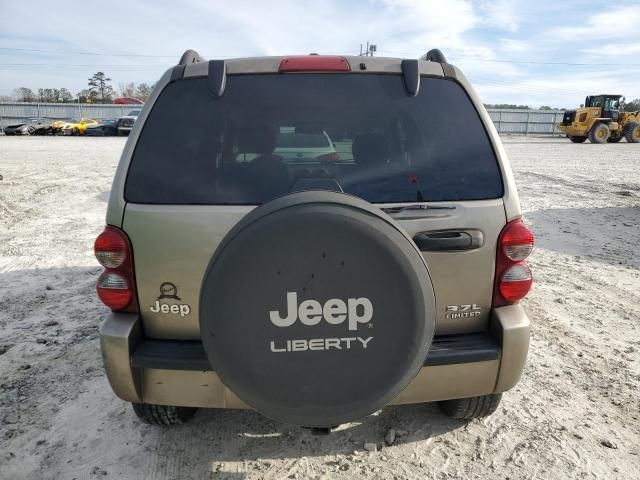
point(449, 240)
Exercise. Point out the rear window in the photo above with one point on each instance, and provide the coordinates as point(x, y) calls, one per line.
point(269, 134)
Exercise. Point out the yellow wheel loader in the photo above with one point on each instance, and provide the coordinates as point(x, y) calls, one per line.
point(601, 121)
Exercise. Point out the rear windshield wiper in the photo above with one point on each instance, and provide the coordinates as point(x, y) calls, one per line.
point(417, 207)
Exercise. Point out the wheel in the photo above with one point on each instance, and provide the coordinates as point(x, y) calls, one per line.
point(614, 139)
point(599, 133)
point(632, 132)
point(472, 407)
point(163, 414)
point(576, 139)
point(31, 131)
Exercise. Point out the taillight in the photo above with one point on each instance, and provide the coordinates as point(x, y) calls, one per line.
point(116, 285)
point(110, 248)
point(314, 63)
point(516, 241)
point(114, 290)
point(515, 283)
point(513, 276)
point(328, 157)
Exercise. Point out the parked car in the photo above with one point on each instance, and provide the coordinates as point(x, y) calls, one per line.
point(31, 126)
point(125, 124)
point(105, 128)
point(306, 147)
point(392, 276)
point(78, 128)
point(57, 125)
point(128, 101)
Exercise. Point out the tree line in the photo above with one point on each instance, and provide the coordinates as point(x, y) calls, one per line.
point(99, 90)
point(512, 106)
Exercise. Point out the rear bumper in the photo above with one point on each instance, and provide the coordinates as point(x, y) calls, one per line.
point(169, 372)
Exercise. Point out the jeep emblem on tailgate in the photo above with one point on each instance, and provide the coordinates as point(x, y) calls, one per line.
point(169, 290)
point(334, 311)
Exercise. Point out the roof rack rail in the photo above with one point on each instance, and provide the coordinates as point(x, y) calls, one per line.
point(190, 56)
point(434, 55)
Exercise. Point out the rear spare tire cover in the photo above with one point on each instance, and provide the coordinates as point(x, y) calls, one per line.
point(317, 309)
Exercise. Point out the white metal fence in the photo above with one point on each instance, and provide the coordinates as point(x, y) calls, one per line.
point(526, 122)
point(11, 113)
point(516, 122)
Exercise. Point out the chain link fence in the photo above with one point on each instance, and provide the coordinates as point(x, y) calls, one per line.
point(507, 122)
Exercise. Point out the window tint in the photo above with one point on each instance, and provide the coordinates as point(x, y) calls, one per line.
point(268, 133)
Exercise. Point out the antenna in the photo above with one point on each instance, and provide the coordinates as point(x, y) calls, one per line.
point(368, 51)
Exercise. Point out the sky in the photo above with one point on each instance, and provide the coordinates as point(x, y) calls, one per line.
point(524, 52)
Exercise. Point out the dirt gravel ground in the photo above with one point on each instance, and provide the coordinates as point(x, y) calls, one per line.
point(575, 414)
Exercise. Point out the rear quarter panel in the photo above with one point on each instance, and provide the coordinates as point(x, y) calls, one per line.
point(174, 244)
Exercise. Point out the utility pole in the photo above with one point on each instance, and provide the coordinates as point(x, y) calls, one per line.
point(368, 51)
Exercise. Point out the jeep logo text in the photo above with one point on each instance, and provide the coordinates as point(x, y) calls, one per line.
point(176, 309)
point(334, 311)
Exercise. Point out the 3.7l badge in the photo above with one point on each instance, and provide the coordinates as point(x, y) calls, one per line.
point(462, 311)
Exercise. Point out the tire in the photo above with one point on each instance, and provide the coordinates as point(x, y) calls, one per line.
point(318, 245)
point(614, 139)
point(599, 133)
point(472, 407)
point(576, 139)
point(163, 414)
point(31, 131)
point(632, 132)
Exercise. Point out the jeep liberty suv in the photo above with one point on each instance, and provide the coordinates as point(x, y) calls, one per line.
point(386, 268)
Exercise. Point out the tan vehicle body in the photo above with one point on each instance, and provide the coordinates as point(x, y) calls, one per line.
point(176, 242)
